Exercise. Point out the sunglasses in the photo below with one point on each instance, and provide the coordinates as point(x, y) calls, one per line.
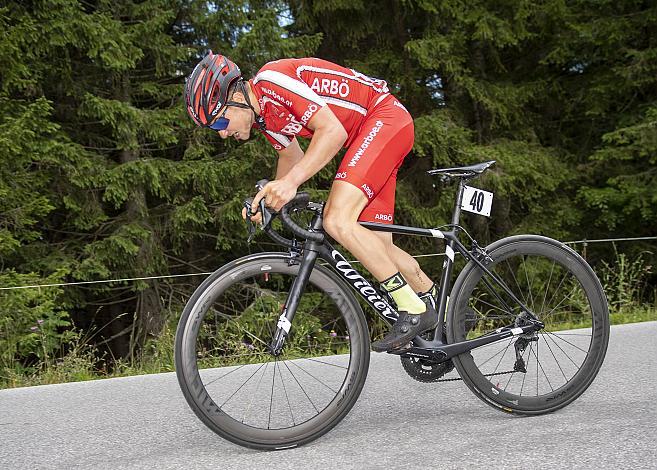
point(221, 123)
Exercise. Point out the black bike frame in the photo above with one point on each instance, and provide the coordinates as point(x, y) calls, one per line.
point(437, 349)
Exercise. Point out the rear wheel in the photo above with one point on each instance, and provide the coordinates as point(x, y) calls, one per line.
point(544, 371)
point(243, 392)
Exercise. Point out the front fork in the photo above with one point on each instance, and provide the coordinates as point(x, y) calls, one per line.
point(307, 264)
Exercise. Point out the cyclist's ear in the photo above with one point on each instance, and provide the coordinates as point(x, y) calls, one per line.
point(237, 96)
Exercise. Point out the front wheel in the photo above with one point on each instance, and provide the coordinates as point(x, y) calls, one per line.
point(243, 392)
point(540, 372)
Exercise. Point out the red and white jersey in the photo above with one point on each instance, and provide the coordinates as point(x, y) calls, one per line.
point(291, 91)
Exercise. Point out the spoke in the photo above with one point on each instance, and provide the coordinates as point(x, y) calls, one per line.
point(251, 335)
point(537, 374)
point(286, 395)
point(529, 286)
point(334, 321)
point(257, 289)
point(235, 355)
point(561, 349)
point(254, 394)
point(271, 400)
point(247, 380)
point(547, 287)
point(210, 383)
point(514, 277)
point(566, 341)
point(297, 365)
point(524, 376)
point(491, 289)
point(302, 389)
point(266, 354)
point(494, 355)
point(563, 278)
point(570, 334)
point(555, 359)
point(502, 357)
point(506, 312)
point(558, 305)
point(494, 343)
point(322, 362)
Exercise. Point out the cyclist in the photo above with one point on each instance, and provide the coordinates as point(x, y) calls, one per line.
point(335, 107)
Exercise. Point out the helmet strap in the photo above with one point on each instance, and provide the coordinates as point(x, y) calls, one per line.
point(258, 119)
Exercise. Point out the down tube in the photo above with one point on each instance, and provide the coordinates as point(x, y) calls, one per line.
point(358, 282)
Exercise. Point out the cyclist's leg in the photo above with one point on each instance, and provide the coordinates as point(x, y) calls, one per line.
point(382, 209)
point(385, 140)
point(344, 205)
point(406, 264)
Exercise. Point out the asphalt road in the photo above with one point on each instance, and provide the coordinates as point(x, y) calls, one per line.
point(144, 422)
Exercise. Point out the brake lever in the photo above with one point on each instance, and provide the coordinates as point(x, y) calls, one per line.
point(250, 226)
point(266, 215)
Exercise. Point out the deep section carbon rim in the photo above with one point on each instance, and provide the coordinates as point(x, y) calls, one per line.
point(250, 396)
point(542, 371)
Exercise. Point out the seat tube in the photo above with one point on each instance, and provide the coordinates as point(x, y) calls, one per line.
point(448, 267)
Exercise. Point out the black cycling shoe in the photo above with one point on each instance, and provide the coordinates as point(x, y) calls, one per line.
point(407, 327)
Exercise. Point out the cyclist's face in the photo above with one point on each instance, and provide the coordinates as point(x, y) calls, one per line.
point(240, 120)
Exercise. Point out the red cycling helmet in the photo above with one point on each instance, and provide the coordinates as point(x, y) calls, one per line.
point(206, 89)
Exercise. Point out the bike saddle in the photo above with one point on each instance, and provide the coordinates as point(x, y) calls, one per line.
point(462, 171)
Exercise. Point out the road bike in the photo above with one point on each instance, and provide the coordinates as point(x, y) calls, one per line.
point(272, 350)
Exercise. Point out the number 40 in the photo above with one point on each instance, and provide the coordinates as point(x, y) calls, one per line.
point(477, 201)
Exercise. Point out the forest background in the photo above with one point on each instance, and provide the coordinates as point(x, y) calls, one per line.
point(104, 176)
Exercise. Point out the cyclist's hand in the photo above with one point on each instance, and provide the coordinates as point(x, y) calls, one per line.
point(276, 194)
point(254, 218)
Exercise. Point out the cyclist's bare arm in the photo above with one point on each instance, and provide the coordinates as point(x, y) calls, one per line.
point(328, 137)
point(287, 158)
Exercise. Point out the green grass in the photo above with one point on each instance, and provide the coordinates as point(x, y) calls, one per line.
point(157, 356)
point(81, 362)
point(634, 315)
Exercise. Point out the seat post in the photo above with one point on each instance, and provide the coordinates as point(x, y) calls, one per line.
point(456, 215)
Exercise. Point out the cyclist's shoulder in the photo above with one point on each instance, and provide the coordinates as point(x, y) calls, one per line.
point(294, 67)
point(285, 66)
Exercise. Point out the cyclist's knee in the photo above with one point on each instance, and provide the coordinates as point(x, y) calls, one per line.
point(338, 226)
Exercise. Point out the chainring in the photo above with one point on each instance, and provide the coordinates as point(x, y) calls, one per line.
point(425, 371)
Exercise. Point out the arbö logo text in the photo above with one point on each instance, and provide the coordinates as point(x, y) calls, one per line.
point(366, 143)
point(309, 112)
point(331, 87)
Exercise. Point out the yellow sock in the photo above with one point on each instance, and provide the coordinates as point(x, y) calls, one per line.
point(403, 295)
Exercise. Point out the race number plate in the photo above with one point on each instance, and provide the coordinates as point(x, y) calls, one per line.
point(477, 201)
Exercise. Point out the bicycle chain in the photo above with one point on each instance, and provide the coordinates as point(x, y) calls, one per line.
point(486, 375)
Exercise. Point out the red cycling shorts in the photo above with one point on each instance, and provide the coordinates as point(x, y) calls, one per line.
point(375, 155)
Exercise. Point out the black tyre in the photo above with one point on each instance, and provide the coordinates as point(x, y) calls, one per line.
point(544, 371)
point(244, 393)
